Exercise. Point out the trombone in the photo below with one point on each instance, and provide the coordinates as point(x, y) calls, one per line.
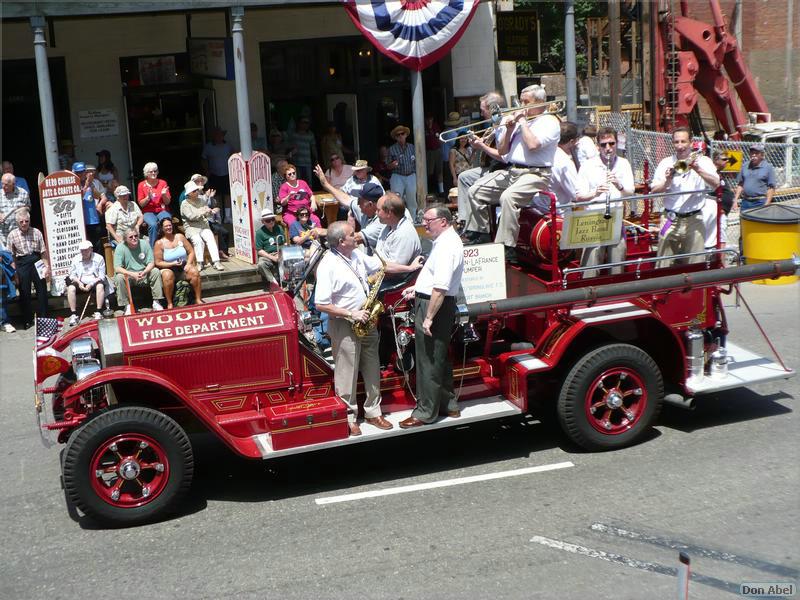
point(553, 108)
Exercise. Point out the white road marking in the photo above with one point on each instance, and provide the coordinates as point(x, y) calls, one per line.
point(642, 565)
point(404, 489)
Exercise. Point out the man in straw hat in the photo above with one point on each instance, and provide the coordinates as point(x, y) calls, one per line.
point(403, 165)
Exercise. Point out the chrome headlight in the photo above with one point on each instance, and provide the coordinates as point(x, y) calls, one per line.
point(84, 362)
point(403, 339)
point(87, 368)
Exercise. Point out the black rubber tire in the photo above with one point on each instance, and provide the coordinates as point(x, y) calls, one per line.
point(129, 420)
point(572, 399)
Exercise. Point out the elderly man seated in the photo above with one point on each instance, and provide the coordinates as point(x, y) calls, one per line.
point(87, 273)
point(134, 262)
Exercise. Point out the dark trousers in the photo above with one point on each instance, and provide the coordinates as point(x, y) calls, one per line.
point(435, 391)
point(27, 274)
point(219, 230)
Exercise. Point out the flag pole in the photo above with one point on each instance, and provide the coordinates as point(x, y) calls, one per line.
point(418, 122)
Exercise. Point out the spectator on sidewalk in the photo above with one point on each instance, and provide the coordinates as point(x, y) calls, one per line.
point(122, 215)
point(195, 212)
point(134, 262)
point(26, 245)
point(269, 239)
point(403, 164)
point(8, 290)
point(305, 145)
point(176, 259)
point(8, 167)
point(154, 199)
point(12, 199)
point(87, 273)
point(215, 164)
point(755, 184)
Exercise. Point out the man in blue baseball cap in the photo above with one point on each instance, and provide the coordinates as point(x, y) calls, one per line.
point(78, 167)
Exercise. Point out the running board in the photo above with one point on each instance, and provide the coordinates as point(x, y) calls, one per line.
point(744, 368)
point(472, 411)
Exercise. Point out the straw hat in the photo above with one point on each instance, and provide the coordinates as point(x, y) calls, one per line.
point(361, 164)
point(454, 119)
point(400, 129)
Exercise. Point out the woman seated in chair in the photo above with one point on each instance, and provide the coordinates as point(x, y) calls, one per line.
point(303, 232)
point(175, 256)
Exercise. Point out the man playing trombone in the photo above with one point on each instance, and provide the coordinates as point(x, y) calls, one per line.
point(605, 177)
point(467, 178)
point(682, 230)
point(526, 143)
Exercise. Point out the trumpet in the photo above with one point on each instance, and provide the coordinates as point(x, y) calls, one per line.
point(683, 165)
point(494, 121)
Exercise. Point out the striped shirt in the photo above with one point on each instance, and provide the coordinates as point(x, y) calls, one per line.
point(22, 244)
point(406, 161)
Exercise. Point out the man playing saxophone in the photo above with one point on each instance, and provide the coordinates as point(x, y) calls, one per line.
point(682, 229)
point(341, 292)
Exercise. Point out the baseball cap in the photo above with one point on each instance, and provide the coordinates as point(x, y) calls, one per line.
point(757, 148)
point(78, 167)
point(85, 245)
point(121, 190)
point(371, 191)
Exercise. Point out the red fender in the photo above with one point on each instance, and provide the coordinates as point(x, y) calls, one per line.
point(243, 446)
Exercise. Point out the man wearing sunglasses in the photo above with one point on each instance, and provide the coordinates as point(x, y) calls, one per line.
point(135, 262)
point(434, 295)
point(605, 175)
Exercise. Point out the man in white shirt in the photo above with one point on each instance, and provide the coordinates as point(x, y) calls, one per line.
point(527, 143)
point(586, 148)
point(341, 290)
point(605, 177)
point(435, 310)
point(86, 273)
point(398, 241)
point(564, 180)
point(682, 229)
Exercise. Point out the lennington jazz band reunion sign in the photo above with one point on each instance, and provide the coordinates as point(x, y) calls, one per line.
point(62, 213)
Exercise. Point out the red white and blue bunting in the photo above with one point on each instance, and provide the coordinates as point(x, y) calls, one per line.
point(414, 33)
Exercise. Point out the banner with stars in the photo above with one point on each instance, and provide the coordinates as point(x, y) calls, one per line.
point(413, 33)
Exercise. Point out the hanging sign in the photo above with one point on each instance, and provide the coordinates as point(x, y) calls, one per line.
point(101, 122)
point(484, 277)
point(260, 185)
point(64, 229)
point(415, 34)
point(518, 35)
point(243, 232)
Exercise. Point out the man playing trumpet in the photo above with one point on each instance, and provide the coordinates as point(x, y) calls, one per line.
point(526, 142)
point(682, 230)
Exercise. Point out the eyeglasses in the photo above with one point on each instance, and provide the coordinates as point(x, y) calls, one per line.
point(604, 144)
point(429, 219)
point(302, 214)
point(133, 237)
point(268, 219)
point(290, 173)
point(336, 158)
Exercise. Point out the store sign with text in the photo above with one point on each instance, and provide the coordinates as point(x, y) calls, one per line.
point(64, 228)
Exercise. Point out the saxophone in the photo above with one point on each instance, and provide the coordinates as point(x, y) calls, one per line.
point(372, 304)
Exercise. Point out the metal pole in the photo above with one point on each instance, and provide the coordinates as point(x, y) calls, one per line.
point(569, 64)
point(418, 122)
point(240, 73)
point(45, 94)
point(614, 55)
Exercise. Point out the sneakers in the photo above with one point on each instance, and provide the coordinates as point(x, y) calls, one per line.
point(9, 328)
point(218, 266)
point(97, 316)
point(157, 305)
point(73, 320)
point(128, 309)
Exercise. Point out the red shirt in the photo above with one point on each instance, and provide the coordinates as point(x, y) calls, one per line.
point(157, 200)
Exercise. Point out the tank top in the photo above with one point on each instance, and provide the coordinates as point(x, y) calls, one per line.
point(173, 254)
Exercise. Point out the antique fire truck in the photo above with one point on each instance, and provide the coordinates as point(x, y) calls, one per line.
point(600, 353)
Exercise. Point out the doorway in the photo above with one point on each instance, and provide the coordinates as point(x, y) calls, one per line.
point(23, 138)
point(169, 128)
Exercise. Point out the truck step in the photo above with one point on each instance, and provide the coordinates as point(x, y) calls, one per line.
point(744, 368)
point(472, 411)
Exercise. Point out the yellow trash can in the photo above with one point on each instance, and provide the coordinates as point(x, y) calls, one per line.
point(770, 233)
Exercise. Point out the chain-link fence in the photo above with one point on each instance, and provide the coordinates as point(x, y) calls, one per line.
point(651, 147)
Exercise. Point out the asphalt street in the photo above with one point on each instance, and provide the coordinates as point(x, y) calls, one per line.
point(721, 483)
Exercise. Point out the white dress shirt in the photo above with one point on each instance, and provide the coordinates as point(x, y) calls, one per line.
point(342, 281)
point(563, 183)
point(547, 129)
point(688, 182)
point(444, 267)
point(593, 174)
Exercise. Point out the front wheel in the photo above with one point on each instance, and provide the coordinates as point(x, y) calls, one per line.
point(127, 466)
point(611, 397)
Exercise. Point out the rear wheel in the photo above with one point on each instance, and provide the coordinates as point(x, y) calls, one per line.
point(127, 466)
point(611, 397)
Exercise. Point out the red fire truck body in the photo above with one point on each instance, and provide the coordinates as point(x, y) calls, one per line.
point(605, 351)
